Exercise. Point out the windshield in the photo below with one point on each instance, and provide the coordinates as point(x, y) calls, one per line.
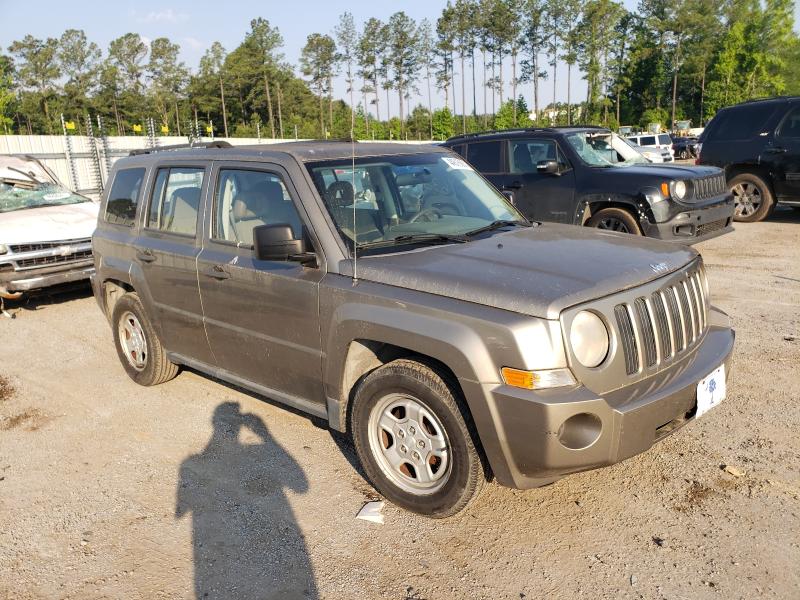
point(389, 200)
point(20, 195)
point(604, 149)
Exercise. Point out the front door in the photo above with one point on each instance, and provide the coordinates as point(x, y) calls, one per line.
point(262, 317)
point(540, 196)
point(167, 249)
point(784, 156)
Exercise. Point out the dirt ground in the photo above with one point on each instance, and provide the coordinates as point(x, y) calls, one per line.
point(109, 490)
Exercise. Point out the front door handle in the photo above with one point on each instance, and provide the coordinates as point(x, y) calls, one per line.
point(217, 272)
point(514, 185)
point(145, 256)
point(777, 150)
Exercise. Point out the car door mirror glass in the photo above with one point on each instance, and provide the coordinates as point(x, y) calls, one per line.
point(548, 166)
point(276, 242)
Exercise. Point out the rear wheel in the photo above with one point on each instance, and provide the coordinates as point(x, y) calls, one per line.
point(684, 153)
point(138, 347)
point(414, 439)
point(752, 198)
point(615, 219)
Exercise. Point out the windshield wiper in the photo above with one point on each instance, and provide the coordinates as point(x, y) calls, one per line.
point(498, 225)
point(418, 238)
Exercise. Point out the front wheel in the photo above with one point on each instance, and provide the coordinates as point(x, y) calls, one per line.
point(615, 219)
point(752, 198)
point(414, 438)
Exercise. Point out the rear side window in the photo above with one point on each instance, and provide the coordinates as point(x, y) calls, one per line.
point(176, 200)
point(124, 197)
point(485, 156)
point(790, 128)
point(742, 122)
point(647, 140)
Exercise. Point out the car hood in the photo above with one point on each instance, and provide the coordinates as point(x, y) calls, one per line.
point(537, 271)
point(49, 223)
point(668, 172)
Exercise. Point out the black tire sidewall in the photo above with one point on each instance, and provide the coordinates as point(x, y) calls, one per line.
point(616, 213)
point(767, 201)
point(131, 303)
point(450, 498)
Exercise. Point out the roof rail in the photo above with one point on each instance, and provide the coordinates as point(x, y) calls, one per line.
point(214, 144)
point(768, 98)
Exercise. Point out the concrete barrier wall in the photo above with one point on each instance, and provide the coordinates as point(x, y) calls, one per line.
point(82, 162)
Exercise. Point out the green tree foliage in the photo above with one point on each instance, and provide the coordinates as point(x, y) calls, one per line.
point(666, 60)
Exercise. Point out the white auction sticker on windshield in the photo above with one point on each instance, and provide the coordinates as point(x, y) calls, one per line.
point(56, 196)
point(456, 163)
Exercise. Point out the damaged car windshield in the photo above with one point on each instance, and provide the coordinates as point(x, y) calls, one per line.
point(413, 198)
point(604, 149)
point(28, 194)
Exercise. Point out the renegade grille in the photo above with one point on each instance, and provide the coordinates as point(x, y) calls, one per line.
point(711, 227)
point(47, 254)
point(664, 325)
point(707, 187)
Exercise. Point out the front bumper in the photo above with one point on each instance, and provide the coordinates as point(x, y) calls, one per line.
point(15, 282)
point(694, 225)
point(621, 424)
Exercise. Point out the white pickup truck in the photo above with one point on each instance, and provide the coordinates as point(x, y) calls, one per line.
point(45, 229)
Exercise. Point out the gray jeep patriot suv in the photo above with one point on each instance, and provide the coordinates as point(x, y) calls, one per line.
point(392, 291)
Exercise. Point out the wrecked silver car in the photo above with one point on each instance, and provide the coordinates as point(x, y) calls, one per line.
point(45, 229)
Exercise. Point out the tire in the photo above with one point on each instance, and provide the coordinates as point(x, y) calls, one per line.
point(683, 154)
point(752, 198)
point(615, 219)
point(138, 347)
point(415, 439)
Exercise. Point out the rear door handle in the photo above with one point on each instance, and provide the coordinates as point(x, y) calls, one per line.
point(217, 272)
point(145, 256)
point(775, 151)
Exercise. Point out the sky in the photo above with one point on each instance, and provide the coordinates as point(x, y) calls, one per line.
point(195, 25)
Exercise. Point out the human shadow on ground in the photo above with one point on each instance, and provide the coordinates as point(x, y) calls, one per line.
point(247, 543)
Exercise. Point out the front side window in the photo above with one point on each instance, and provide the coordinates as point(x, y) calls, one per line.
point(526, 154)
point(391, 199)
point(485, 156)
point(247, 199)
point(124, 197)
point(176, 200)
point(664, 139)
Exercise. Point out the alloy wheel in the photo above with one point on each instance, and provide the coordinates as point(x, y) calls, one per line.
point(613, 224)
point(133, 341)
point(409, 444)
point(747, 198)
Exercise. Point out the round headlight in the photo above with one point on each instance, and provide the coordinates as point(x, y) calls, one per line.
point(679, 189)
point(588, 337)
point(3, 248)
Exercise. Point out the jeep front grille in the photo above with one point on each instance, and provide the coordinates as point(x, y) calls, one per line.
point(664, 325)
point(708, 187)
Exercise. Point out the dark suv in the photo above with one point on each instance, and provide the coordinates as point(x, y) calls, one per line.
point(758, 145)
point(392, 291)
point(590, 176)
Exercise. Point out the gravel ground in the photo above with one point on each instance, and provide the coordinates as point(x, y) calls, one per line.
point(110, 490)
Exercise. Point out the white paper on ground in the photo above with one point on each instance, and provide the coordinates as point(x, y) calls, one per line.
point(372, 511)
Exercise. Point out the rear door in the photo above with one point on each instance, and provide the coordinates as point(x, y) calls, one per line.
point(262, 317)
point(167, 249)
point(539, 196)
point(487, 158)
point(784, 155)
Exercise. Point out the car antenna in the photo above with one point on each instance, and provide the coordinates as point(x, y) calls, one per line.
point(353, 180)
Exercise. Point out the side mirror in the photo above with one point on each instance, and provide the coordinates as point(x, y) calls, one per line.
point(276, 242)
point(509, 196)
point(547, 166)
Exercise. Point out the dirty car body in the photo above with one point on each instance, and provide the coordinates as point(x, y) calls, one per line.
point(448, 275)
point(45, 230)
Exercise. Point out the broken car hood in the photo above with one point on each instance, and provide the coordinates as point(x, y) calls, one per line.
point(537, 271)
point(49, 223)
